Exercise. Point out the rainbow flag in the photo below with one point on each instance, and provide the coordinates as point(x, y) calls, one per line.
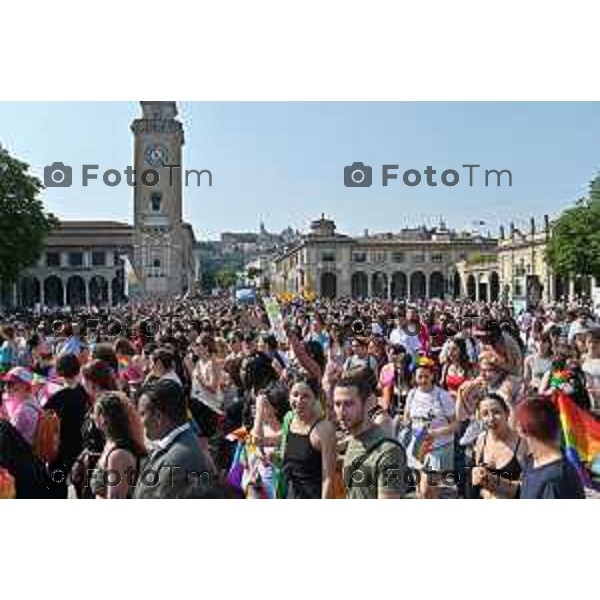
point(422, 444)
point(128, 371)
point(238, 466)
point(248, 469)
point(581, 438)
point(45, 387)
point(124, 362)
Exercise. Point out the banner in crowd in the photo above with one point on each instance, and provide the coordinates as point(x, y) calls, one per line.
point(275, 318)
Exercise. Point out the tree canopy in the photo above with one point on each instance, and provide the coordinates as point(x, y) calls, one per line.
point(574, 248)
point(23, 221)
point(226, 278)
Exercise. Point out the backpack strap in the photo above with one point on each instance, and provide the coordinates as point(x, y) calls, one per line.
point(360, 460)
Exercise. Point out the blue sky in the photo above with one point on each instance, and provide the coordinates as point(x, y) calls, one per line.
point(282, 162)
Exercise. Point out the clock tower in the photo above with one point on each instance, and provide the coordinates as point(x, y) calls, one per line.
point(160, 254)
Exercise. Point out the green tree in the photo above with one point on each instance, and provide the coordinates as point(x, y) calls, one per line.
point(226, 278)
point(23, 222)
point(574, 248)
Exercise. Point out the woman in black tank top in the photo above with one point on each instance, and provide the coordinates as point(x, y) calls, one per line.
point(309, 453)
point(499, 453)
point(116, 417)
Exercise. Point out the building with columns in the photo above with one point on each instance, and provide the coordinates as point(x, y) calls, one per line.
point(525, 274)
point(480, 276)
point(425, 263)
point(83, 262)
point(518, 269)
point(412, 263)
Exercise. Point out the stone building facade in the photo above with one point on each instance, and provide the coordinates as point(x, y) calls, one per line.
point(518, 268)
point(481, 276)
point(414, 263)
point(82, 263)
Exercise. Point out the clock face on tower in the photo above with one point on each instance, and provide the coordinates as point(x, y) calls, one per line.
point(156, 155)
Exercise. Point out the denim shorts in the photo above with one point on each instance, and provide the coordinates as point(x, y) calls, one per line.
point(438, 460)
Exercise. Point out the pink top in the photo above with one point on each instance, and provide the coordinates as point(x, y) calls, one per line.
point(23, 416)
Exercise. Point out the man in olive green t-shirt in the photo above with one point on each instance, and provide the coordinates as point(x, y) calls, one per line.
point(374, 464)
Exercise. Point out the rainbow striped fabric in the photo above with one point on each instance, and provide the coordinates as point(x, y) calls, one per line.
point(422, 444)
point(581, 438)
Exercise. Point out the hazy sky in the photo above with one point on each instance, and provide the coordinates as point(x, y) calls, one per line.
point(284, 162)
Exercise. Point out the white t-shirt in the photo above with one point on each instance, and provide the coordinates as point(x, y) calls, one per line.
point(591, 368)
point(411, 342)
point(539, 365)
point(436, 408)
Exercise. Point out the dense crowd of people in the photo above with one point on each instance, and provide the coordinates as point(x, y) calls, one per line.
point(212, 398)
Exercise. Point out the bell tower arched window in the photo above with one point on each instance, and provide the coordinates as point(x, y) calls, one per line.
point(156, 202)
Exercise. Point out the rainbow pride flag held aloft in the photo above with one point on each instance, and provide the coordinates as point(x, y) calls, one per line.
point(581, 434)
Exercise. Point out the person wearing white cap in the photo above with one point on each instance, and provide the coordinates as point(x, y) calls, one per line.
point(18, 404)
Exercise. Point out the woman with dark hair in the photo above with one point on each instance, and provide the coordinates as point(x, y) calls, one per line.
point(308, 444)
point(393, 377)
point(376, 349)
point(206, 384)
point(106, 353)
point(539, 363)
point(429, 414)
point(456, 367)
point(97, 378)
point(272, 404)
point(500, 453)
point(117, 467)
point(547, 473)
